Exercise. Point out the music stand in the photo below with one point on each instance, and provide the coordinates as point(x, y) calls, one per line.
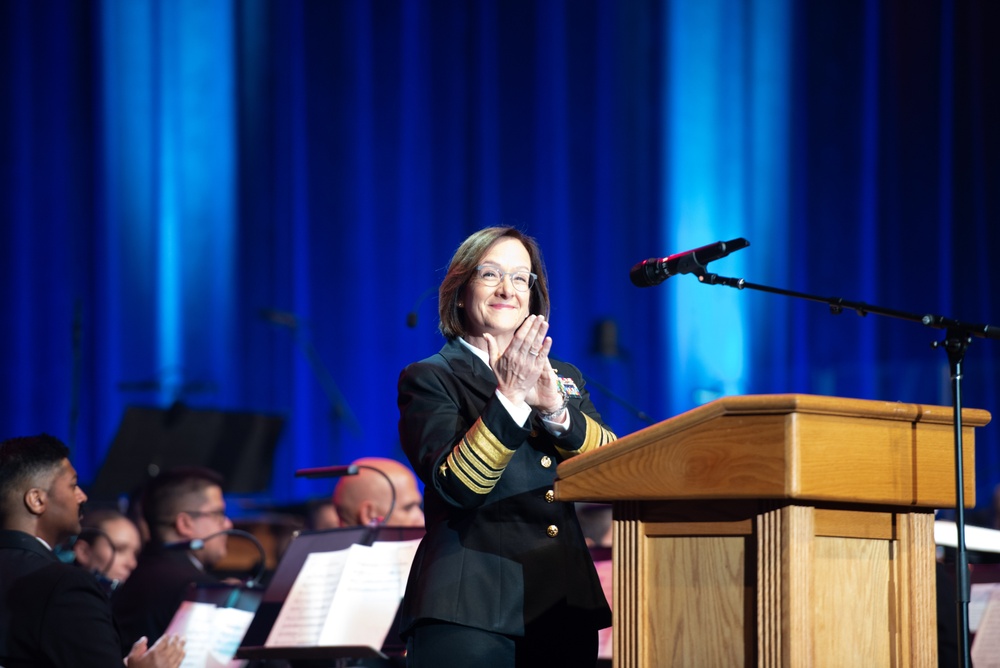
point(237, 444)
point(253, 646)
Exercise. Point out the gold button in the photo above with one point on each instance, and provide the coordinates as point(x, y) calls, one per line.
point(553, 531)
point(550, 496)
point(546, 461)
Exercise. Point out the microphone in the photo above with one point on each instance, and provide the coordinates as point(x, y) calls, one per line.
point(282, 318)
point(352, 469)
point(656, 270)
point(199, 544)
point(328, 471)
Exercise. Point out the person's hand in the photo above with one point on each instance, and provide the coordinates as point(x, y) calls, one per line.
point(519, 366)
point(167, 652)
point(546, 395)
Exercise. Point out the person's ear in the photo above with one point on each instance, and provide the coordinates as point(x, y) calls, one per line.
point(368, 514)
point(184, 525)
point(35, 500)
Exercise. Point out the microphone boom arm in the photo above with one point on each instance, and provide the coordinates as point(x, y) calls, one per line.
point(199, 543)
point(838, 305)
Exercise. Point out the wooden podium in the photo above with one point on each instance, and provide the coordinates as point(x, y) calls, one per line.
point(778, 530)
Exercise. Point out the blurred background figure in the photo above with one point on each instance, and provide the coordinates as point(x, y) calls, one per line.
point(321, 515)
point(595, 520)
point(364, 499)
point(179, 506)
point(108, 546)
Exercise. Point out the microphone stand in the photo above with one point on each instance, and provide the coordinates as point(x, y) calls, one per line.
point(338, 404)
point(637, 412)
point(253, 582)
point(958, 336)
point(199, 544)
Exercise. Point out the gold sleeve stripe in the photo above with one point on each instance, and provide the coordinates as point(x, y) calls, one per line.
point(479, 459)
point(595, 437)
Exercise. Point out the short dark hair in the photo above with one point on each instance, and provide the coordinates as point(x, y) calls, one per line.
point(24, 457)
point(463, 266)
point(164, 495)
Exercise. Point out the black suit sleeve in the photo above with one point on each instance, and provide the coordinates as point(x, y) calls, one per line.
point(76, 628)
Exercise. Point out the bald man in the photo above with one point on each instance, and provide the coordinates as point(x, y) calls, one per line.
point(364, 499)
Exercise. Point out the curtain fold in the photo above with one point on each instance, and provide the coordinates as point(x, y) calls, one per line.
point(172, 170)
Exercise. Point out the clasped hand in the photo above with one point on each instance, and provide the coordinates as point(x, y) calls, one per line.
point(167, 652)
point(523, 371)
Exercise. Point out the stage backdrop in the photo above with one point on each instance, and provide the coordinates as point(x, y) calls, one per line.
point(248, 204)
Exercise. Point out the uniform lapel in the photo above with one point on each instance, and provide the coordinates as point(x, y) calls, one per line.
point(470, 369)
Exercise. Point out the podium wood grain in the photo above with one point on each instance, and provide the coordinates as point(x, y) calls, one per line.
point(777, 530)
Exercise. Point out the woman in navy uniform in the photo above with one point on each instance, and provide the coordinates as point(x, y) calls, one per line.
point(503, 576)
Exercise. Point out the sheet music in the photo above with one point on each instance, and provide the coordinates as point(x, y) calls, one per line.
point(231, 625)
point(371, 587)
point(211, 634)
point(301, 618)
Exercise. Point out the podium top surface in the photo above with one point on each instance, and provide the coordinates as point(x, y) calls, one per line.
point(785, 446)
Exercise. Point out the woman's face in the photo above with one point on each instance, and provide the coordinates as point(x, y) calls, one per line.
point(114, 552)
point(498, 310)
point(127, 545)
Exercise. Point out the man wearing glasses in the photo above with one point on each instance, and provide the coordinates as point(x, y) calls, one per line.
point(186, 516)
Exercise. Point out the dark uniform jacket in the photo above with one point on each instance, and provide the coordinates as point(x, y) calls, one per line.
point(146, 603)
point(51, 613)
point(499, 551)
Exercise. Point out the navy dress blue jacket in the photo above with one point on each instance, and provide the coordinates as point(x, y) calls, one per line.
point(499, 551)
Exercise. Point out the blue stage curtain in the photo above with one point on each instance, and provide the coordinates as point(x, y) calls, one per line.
point(173, 169)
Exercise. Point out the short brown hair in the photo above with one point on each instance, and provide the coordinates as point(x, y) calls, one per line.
point(463, 266)
point(164, 496)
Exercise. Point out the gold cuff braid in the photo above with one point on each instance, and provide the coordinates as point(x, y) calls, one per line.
point(595, 437)
point(479, 459)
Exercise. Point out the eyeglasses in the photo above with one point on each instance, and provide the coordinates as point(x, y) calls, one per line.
point(491, 277)
point(219, 513)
